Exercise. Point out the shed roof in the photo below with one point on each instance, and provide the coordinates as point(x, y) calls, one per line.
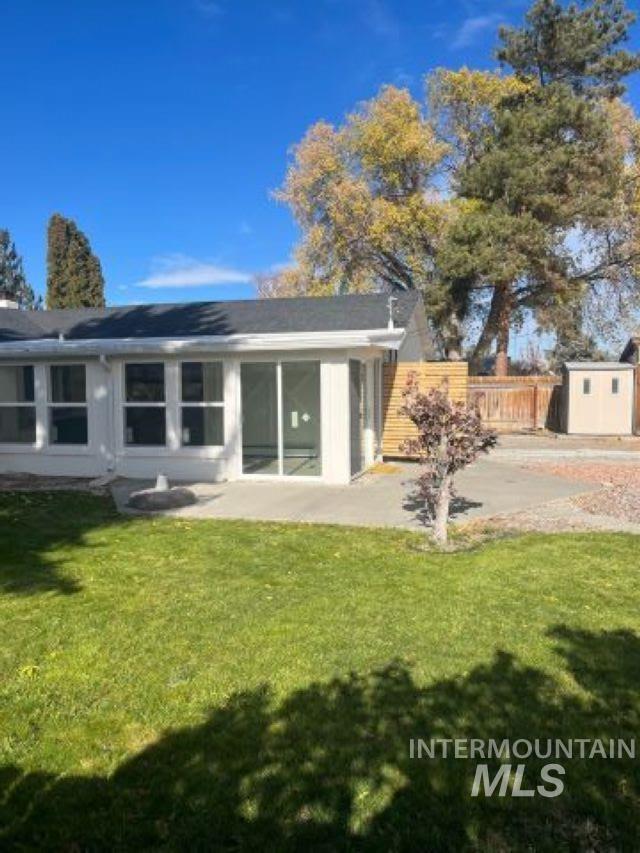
point(598, 365)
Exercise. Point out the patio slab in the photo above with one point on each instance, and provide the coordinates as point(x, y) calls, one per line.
point(487, 488)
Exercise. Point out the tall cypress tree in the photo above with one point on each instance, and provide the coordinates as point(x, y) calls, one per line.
point(13, 283)
point(74, 274)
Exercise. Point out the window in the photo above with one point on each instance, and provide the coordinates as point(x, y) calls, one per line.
point(145, 422)
point(586, 386)
point(17, 405)
point(68, 404)
point(615, 385)
point(202, 398)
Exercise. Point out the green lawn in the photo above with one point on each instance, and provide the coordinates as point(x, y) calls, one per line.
point(227, 685)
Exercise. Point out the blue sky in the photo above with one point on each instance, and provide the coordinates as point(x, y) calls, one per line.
point(161, 126)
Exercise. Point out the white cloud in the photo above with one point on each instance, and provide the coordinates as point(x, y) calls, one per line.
point(380, 20)
point(183, 271)
point(473, 28)
point(208, 7)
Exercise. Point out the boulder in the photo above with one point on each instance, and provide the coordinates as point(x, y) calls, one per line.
point(154, 500)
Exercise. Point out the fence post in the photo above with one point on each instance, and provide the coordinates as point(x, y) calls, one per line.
point(535, 406)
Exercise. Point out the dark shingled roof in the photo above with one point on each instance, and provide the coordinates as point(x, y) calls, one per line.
point(190, 319)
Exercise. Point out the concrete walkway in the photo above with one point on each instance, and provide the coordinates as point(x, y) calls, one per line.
point(487, 488)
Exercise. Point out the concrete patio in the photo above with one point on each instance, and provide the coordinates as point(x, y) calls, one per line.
point(376, 499)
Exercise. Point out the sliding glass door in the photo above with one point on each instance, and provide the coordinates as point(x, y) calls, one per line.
point(301, 418)
point(260, 418)
point(281, 418)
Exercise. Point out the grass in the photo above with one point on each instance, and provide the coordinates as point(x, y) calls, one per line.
point(226, 685)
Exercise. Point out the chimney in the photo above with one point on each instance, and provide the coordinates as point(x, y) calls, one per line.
point(6, 300)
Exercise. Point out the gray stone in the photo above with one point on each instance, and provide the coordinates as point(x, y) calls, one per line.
point(154, 500)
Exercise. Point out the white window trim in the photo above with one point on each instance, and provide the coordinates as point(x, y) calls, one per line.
point(202, 404)
point(173, 448)
point(51, 445)
point(23, 446)
point(143, 404)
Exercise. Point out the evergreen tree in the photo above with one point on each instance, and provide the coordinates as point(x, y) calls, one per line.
point(549, 165)
point(74, 274)
point(13, 283)
point(578, 45)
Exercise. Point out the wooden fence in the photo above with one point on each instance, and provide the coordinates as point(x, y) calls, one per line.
point(507, 404)
point(515, 403)
point(451, 375)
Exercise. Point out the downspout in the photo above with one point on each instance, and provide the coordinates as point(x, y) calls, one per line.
point(109, 452)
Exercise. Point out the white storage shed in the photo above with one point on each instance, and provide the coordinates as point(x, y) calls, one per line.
point(598, 397)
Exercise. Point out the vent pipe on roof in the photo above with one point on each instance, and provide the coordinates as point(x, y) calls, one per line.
point(390, 325)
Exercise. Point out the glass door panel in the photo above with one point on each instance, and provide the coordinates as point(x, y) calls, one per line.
point(259, 381)
point(356, 406)
point(301, 455)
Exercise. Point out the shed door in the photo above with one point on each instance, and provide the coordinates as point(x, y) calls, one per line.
point(601, 402)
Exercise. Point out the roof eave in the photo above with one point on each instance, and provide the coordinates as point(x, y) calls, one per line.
point(383, 338)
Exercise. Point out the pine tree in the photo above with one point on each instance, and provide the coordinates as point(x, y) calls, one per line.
point(578, 45)
point(13, 283)
point(74, 274)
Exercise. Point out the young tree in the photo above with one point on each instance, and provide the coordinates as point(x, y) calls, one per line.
point(450, 437)
point(13, 283)
point(74, 274)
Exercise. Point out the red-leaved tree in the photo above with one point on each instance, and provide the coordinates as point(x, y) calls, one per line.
point(450, 436)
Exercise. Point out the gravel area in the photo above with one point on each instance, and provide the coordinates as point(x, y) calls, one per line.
point(618, 495)
point(561, 516)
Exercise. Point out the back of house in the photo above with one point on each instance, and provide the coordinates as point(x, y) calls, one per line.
point(203, 391)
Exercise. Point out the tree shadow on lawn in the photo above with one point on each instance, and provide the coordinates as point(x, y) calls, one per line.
point(32, 524)
point(329, 767)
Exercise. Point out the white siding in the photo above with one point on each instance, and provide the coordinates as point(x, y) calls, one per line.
point(106, 451)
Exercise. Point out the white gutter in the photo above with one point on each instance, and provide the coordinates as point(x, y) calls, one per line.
point(388, 339)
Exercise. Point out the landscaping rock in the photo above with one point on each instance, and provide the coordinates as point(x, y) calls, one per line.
point(154, 500)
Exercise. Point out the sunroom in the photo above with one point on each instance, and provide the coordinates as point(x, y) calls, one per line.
point(223, 393)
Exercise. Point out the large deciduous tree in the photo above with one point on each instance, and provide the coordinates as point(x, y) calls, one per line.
point(538, 178)
point(74, 273)
point(13, 282)
point(364, 197)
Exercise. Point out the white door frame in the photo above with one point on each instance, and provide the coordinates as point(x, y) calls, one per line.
point(280, 475)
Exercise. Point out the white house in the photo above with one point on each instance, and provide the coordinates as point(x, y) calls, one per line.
point(287, 388)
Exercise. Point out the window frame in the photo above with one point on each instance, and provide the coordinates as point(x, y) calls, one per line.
point(201, 404)
point(50, 404)
point(144, 404)
point(7, 404)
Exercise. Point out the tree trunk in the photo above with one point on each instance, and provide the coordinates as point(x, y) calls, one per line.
point(502, 337)
point(489, 330)
point(453, 339)
point(442, 512)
